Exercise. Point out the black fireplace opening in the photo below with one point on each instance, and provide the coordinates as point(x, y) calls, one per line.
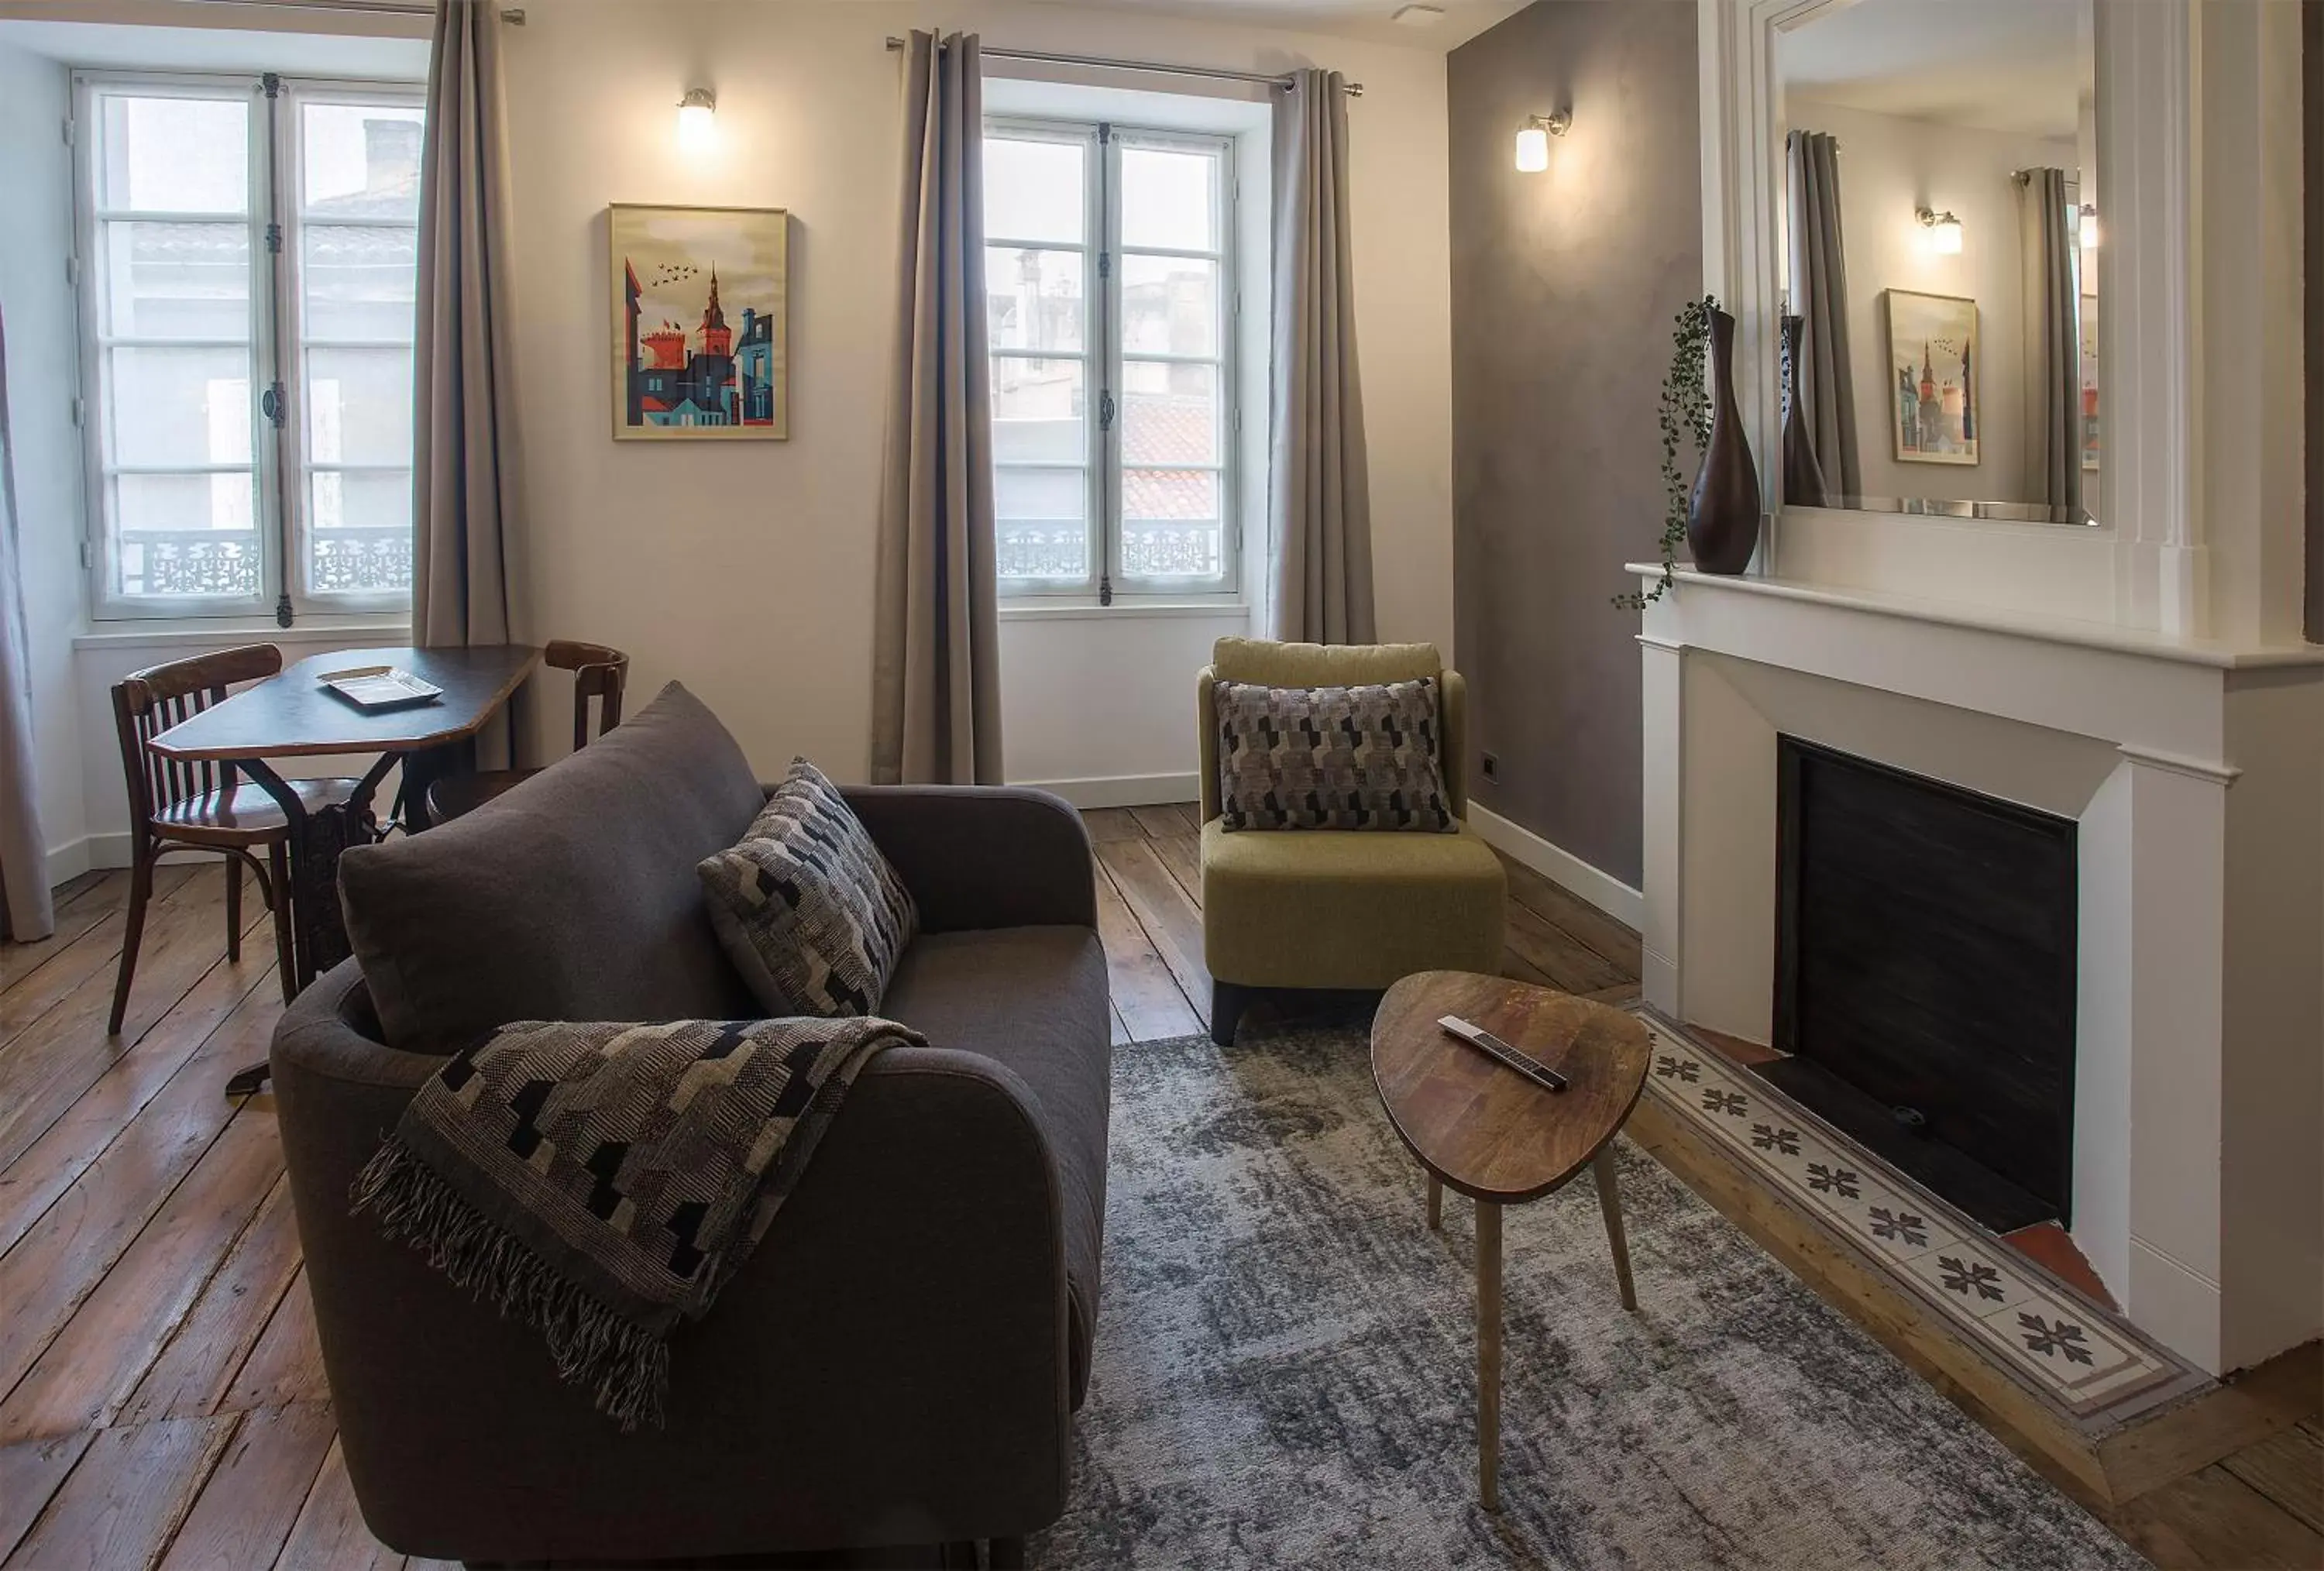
point(1924, 978)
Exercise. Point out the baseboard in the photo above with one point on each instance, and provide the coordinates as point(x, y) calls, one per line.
point(69, 861)
point(108, 850)
point(1560, 866)
point(1122, 791)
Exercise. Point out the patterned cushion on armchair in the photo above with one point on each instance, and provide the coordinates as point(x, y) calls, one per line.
point(1359, 757)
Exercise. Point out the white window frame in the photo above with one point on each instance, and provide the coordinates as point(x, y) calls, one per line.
point(1104, 358)
point(279, 459)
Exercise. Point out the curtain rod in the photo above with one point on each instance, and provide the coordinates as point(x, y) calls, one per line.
point(1209, 73)
point(513, 15)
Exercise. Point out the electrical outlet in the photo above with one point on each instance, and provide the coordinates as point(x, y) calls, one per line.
point(1492, 768)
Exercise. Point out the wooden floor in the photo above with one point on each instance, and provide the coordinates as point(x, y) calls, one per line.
point(161, 1394)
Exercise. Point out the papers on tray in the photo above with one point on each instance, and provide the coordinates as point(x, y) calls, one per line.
point(381, 686)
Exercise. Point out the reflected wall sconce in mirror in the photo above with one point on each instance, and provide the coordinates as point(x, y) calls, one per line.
point(1533, 140)
point(1944, 231)
point(698, 120)
point(2089, 227)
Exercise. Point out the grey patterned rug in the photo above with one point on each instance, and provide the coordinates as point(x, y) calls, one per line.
point(1286, 1366)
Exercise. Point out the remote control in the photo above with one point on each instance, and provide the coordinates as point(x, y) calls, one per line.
point(1500, 1052)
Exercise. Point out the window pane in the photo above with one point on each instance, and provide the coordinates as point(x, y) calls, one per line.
point(1039, 407)
point(1033, 190)
point(1038, 552)
point(1169, 413)
point(359, 534)
point(358, 406)
point(174, 280)
point(359, 280)
point(179, 406)
point(1033, 300)
point(1169, 306)
point(1170, 494)
point(1168, 198)
point(1050, 495)
point(360, 160)
point(185, 535)
point(174, 155)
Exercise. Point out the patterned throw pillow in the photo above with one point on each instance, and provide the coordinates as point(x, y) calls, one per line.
point(1331, 758)
point(810, 912)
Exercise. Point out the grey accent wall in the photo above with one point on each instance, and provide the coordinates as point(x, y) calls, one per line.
point(1563, 287)
point(2312, 67)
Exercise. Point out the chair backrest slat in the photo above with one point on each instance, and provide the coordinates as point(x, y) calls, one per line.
point(148, 702)
point(600, 672)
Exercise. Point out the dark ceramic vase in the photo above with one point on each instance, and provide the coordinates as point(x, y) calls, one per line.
point(1802, 475)
point(1722, 515)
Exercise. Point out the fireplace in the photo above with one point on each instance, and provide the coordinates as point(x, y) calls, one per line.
point(1925, 965)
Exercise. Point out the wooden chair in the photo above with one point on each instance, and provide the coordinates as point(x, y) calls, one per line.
point(177, 806)
point(598, 672)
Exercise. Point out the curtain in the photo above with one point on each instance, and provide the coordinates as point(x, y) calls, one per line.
point(1320, 491)
point(468, 510)
point(25, 912)
point(2050, 359)
point(1822, 381)
point(935, 663)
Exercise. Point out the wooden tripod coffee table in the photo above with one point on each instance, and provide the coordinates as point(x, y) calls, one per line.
point(1497, 1137)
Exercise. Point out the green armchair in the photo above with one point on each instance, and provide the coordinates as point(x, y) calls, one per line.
point(1333, 908)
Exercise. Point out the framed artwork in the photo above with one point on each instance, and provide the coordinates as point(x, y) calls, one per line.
point(2088, 329)
point(1932, 366)
point(700, 349)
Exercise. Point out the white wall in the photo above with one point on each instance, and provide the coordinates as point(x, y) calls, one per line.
point(43, 369)
point(1890, 167)
point(746, 569)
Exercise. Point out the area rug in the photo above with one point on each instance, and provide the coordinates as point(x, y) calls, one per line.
point(1285, 1371)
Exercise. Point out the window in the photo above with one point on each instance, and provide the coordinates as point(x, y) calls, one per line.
point(1110, 303)
point(249, 252)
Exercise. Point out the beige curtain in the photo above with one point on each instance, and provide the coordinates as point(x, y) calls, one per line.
point(25, 912)
point(1320, 490)
point(2052, 359)
point(935, 699)
point(468, 510)
point(1823, 385)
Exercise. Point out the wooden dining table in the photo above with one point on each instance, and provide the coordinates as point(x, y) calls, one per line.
point(294, 714)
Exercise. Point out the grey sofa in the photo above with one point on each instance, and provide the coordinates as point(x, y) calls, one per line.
point(899, 1361)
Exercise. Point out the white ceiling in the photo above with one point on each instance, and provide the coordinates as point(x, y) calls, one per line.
point(1995, 65)
point(107, 46)
point(1362, 19)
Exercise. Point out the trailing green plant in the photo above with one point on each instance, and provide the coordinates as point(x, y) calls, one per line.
point(1684, 417)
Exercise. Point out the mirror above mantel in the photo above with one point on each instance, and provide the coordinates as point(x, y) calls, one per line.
point(1937, 223)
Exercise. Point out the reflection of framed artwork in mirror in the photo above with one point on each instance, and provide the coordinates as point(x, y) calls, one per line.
point(1933, 409)
point(2089, 384)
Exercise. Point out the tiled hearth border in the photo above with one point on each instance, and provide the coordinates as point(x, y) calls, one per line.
point(2082, 1361)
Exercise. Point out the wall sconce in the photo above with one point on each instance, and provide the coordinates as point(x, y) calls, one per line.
point(1944, 231)
point(2089, 227)
point(1533, 140)
point(698, 120)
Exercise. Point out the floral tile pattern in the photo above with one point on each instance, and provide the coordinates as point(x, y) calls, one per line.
point(2052, 1338)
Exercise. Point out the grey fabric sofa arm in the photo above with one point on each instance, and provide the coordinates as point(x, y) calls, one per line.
point(890, 1366)
point(983, 856)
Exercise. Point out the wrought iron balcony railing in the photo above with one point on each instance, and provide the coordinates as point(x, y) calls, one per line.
point(224, 564)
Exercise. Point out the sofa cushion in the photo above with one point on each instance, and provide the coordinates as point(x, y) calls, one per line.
point(571, 897)
point(1034, 1001)
point(1360, 757)
point(809, 910)
point(1331, 909)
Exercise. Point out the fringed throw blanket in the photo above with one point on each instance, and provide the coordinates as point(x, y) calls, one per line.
point(603, 1182)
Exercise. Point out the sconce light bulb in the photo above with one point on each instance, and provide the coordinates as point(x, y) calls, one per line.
point(1944, 231)
point(1533, 140)
point(698, 120)
point(2089, 234)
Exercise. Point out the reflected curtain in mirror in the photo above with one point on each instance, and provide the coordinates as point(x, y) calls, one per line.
point(1823, 385)
point(936, 653)
point(2051, 360)
point(24, 911)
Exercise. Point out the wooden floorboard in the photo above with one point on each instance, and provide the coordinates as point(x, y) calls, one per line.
point(162, 1399)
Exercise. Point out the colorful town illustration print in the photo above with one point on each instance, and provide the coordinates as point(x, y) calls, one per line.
point(698, 322)
point(1933, 368)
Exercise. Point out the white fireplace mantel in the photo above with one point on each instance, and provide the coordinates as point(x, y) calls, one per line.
point(2195, 772)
